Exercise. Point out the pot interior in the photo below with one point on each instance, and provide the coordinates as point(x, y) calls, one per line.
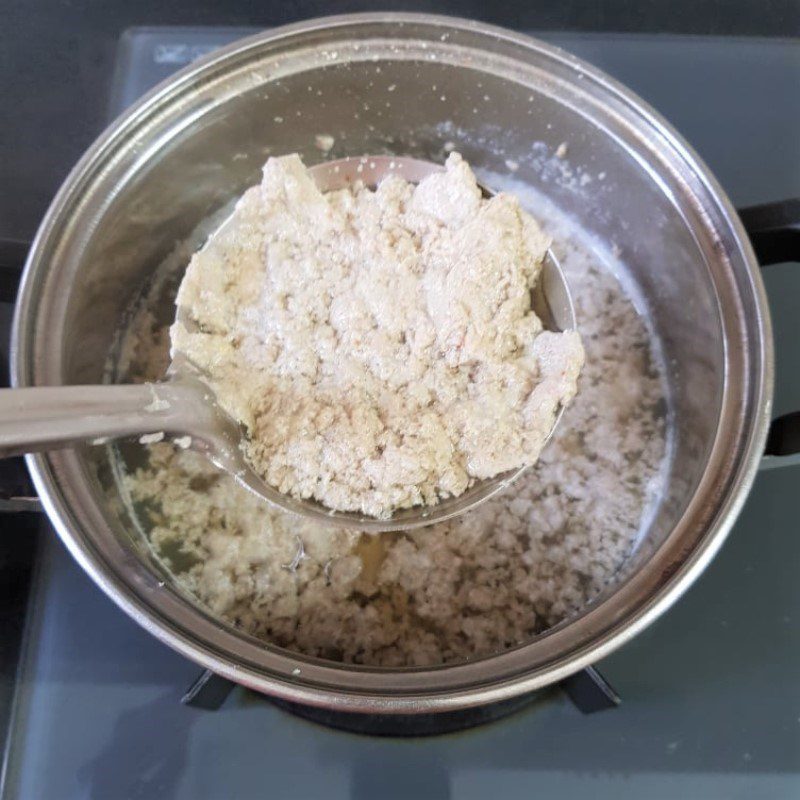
point(527, 118)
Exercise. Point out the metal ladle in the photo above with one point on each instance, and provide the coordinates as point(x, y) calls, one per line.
point(48, 418)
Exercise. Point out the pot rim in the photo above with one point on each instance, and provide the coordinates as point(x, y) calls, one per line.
point(317, 683)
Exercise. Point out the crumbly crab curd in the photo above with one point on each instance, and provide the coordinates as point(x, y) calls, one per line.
point(380, 347)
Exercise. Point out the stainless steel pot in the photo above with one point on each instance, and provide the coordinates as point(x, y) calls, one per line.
point(198, 140)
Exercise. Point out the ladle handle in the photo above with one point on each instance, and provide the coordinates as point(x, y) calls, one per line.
point(50, 417)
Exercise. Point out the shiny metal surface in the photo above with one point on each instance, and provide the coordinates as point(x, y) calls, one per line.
point(167, 164)
point(45, 418)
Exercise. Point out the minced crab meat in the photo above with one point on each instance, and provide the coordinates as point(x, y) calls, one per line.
point(379, 346)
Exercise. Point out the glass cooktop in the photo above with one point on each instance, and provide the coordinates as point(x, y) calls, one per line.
point(711, 700)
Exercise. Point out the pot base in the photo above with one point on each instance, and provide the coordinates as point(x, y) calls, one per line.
point(587, 689)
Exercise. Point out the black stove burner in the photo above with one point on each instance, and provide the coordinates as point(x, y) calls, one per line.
point(587, 689)
point(407, 725)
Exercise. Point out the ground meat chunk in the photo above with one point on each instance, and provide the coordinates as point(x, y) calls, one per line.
point(379, 346)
